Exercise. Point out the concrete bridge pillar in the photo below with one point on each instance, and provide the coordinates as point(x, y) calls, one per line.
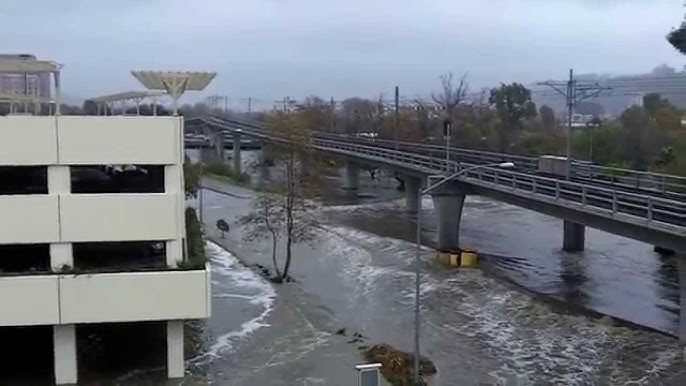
point(264, 162)
point(237, 151)
point(352, 174)
point(574, 237)
point(413, 187)
point(448, 202)
point(219, 146)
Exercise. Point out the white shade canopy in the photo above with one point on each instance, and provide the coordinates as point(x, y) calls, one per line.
point(174, 83)
point(160, 80)
point(126, 96)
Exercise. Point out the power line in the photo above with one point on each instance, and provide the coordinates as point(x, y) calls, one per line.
point(574, 93)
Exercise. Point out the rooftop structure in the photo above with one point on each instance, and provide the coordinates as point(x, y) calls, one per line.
point(21, 65)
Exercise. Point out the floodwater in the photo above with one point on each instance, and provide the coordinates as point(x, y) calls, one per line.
point(475, 327)
point(495, 327)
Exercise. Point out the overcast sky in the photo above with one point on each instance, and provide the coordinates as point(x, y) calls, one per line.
point(272, 48)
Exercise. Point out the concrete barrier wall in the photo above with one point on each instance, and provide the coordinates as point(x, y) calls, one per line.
point(104, 297)
point(83, 140)
point(28, 140)
point(99, 217)
point(28, 300)
point(78, 140)
point(29, 219)
point(87, 140)
point(115, 217)
point(134, 296)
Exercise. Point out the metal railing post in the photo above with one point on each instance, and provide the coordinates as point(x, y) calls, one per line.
point(583, 195)
point(664, 184)
point(514, 182)
point(650, 209)
point(614, 202)
point(557, 189)
point(533, 185)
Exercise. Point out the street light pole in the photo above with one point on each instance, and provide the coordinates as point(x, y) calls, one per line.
point(447, 131)
point(396, 118)
point(417, 260)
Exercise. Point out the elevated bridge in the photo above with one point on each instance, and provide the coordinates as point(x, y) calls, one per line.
point(642, 206)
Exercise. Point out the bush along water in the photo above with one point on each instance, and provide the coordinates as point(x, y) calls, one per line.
point(222, 170)
point(195, 253)
point(397, 366)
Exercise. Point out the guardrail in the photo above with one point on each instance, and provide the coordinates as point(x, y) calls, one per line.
point(464, 155)
point(654, 212)
point(634, 178)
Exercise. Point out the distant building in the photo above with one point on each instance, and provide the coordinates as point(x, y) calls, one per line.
point(581, 120)
point(624, 93)
point(636, 101)
point(37, 85)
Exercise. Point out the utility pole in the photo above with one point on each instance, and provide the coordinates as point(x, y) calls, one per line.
point(249, 100)
point(332, 115)
point(574, 93)
point(226, 104)
point(395, 126)
point(447, 131)
point(287, 102)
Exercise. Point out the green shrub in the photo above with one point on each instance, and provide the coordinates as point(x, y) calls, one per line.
point(191, 177)
point(196, 257)
point(219, 169)
point(397, 365)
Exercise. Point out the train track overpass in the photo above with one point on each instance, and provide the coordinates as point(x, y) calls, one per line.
point(643, 206)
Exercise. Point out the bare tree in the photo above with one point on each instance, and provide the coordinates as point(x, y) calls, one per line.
point(287, 210)
point(423, 114)
point(266, 220)
point(453, 94)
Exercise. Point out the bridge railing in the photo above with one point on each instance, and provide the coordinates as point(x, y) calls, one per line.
point(653, 211)
point(437, 151)
point(650, 210)
point(634, 178)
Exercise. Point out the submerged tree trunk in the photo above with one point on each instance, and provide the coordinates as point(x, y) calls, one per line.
point(290, 178)
point(289, 242)
point(276, 265)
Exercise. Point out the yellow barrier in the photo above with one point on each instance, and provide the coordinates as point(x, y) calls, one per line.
point(469, 259)
point(464, 259)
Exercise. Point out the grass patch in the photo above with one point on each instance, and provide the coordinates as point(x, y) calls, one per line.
point(224, 173)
